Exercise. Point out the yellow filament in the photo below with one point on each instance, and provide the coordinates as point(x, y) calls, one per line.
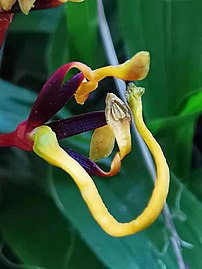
point(47, 147)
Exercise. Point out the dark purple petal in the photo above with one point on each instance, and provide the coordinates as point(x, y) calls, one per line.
point(43, 4)
point(53, 96)
point(91, 167)
point(78, 124)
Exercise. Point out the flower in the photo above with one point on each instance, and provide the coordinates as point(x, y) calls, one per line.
point(27, 5)
point(50, 100)
point(9, 7)
point(110, 125)
point(55, 94)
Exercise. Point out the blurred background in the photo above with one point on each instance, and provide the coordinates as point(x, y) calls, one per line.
point(44, 222)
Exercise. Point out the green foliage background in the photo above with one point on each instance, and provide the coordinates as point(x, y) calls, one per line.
point(44, 222)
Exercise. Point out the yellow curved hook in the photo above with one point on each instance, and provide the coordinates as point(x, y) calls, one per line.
point(47, 147)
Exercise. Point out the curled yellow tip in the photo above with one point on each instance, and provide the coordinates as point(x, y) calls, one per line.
point(136, 68)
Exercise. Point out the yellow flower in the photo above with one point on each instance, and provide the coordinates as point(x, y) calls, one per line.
point(112, 125)
point(118, 121)
point(47, 147)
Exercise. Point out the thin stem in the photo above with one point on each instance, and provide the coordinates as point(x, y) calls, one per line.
point(112, 59)
point(7, 140)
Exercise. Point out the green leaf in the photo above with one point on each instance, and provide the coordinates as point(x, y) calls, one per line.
point(35, 229)
point(162, 28)
point(191, 104)
point(75, 37)
point(195, 183)
point(179, 131)
point(82, 30)
point(42, 21)
point(15, 105)
point(58, 47)
point(186, 211)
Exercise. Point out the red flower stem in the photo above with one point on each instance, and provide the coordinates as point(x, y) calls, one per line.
point(7, 140)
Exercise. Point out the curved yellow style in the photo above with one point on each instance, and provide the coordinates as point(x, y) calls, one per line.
point(47, 147)
point(157, 200)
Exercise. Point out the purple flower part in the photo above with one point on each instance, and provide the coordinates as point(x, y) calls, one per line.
point(53, 97)
point(78, 124)
point(91, 167)
point(39, 4)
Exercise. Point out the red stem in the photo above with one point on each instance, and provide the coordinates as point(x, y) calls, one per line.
point(7, 140)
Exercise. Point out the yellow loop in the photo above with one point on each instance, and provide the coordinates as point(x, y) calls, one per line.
point(47, 147)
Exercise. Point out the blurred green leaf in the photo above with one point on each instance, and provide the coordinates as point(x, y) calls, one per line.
point(186, 211)
point(161, 27)
point(82, 31)
point(191, 104)
point(15, 105)
point(179, 131)
point(36, 230)
point(75, 37)
point(58, 47)
point(42, 21)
